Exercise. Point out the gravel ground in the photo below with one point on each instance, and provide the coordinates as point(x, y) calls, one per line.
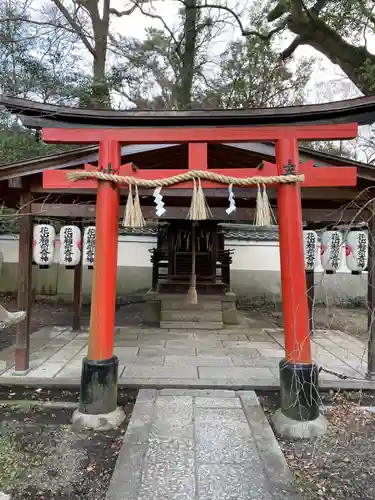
point(42, 457)
point(341, 464)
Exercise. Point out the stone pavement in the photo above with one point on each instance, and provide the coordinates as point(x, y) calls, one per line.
point(200, 445)
point(238, 358)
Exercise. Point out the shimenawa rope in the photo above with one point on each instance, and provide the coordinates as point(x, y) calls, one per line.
point(205, 175)
point(199, 209)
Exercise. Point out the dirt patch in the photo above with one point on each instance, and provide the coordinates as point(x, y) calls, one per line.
point(352, 321)
point(341, 464)
point(42, 457)
point(47, 313)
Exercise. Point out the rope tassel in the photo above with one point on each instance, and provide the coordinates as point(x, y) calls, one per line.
point(264, 215)
point(127, 221)
point(199, 209)
point(139, 220)
point(133, 216)
point(192, 295)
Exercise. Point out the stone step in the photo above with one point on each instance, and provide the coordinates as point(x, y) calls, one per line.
point(192, 325)
point(191, 315)
point(182, 305)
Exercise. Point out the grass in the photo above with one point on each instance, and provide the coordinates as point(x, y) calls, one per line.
point(12, 460)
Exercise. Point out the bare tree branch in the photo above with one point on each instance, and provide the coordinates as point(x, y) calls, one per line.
point(170, 32)
point(244, 32)
point(77, 28)
point(291, 48)
point(122, 13)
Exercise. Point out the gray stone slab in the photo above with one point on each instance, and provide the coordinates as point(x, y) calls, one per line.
point(167, 481)
point(231, 482)
point(250, 361)
point(127, 475)
point(213, 402)
point(126, 351)
point(146, 371)
point(147, 396)
point(142, 360)
point(142, 343)
point(161, 351)
point(233, 336)
point(173, 417)
point(222, 417)
point(198, 360)
point(274, 461)
point(49, 332)
point(214, 393)
point(234, 373)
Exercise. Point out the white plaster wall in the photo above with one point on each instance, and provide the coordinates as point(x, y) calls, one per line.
point(255, 271)
point(265, 256)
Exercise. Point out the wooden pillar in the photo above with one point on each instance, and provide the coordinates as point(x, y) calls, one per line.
point(77, 293)
point(371, 296)
point(214, 246)
point(155, 268)
point(310, 285)
point(24, 297)
point(298, 376)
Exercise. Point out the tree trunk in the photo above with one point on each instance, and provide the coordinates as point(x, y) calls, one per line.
point(187, 70)
point(356, 62)
point(100, 95)
point(100, 90)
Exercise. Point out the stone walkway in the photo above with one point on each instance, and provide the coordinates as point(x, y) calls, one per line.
point(200, 445)
point(230, 358)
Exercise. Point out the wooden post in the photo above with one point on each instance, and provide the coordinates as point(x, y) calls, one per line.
point(155, 268)
point(310, 285)
point(371, 296)
point(24, 282)
point(77, 293)
point(214, 246)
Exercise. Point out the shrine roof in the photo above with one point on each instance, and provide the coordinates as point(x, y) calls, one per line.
point(155, 155)
point(37, 115)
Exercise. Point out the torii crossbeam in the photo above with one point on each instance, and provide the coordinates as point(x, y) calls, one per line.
point(297, 369)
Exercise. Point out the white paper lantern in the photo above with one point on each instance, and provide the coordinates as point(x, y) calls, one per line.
point(357, 251)
point(310, 247)
point(89, 239)
point(44, 236)
point(70, 246)
point(330, 252)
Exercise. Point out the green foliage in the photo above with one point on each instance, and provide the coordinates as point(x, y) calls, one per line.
point(252, 75)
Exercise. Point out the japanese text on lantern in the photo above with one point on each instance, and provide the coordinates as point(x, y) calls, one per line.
point(90, 244)
point(44, 243)
point(68, 245)
point(335, 249)
point(362, 251)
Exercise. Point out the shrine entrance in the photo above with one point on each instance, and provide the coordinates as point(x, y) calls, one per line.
point(177, 243)
point(298, 373)
point(199, 133)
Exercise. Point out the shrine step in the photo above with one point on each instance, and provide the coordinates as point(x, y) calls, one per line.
point(192, 315)
point(181, 304)
point(192, 325)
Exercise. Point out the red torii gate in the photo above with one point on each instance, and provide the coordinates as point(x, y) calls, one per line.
point(99, 373)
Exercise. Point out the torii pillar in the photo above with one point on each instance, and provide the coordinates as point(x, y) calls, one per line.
point(98, 397)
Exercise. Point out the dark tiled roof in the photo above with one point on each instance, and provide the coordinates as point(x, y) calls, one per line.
point(34, 114)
